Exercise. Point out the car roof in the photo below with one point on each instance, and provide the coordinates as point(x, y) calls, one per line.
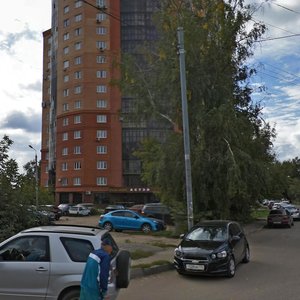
point(215, 222)
point(69, 229)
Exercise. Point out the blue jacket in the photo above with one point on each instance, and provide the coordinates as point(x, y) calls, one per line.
point(95, 275)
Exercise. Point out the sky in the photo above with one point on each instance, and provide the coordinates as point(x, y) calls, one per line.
point(276, 57)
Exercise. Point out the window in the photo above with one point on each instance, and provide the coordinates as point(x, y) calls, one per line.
point(77, 60)
point(101, 59)
point(101, 3)
point(66, 22)
point(78, 45)
point(66, 92)
point(66, 36)
point(101, 149)
point(100, 17)
point(32, 248)
point(64, 181)
point(77, 165)
point(101, 30)
point(101, 118)
point(77, 249)
point(65, 136)
point(101, 74)
point(66, 50)
point(77, 89)
point(77, 119)
point(101, 44)
point(101, 103)
point(101, 134)
point(65, 106)
point(78, 18)
point(77, 134)
point(101, 181)
point(66, 9)
point(78, 31)
point(66, 64)
point(78, 3)
point(77, 150)
point(64, 166)
point(66, 78)
point(64, 151)
point(65, 121)
point(77, 181)
point(78, 75)
point(101, 89)
point(101, 165)
point(77, 104)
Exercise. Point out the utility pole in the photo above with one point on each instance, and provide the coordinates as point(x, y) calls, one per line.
point(186, 134)
point(36, 178)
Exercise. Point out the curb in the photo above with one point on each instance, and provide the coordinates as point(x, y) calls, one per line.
point(140, 272)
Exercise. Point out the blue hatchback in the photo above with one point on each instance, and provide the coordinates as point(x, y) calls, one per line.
point(124, 219)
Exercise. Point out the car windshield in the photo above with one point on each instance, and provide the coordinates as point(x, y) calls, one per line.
point(208, 233)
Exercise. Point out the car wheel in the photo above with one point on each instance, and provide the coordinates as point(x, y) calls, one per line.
point(123, 269)
point(146, 228)
point(231, 267)
point(108, 226)
point(71, 295)
point(246, 258)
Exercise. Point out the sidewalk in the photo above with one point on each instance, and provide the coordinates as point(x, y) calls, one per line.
point(164, 258)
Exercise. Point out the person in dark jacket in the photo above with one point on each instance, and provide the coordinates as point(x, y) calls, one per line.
point(94, 280)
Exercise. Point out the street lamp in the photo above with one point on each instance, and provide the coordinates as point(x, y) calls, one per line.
point(36, 179)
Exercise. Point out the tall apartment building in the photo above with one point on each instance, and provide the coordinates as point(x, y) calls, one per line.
point(83, 156)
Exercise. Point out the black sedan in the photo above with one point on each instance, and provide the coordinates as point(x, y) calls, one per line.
point(212, 247)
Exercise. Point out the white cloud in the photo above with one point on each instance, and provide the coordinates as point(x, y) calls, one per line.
point(21, 50)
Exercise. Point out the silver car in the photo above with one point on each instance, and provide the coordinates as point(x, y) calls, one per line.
point(47, 262)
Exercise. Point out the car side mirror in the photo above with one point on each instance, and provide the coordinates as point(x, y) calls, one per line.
point(235, 238)
point(181, 236)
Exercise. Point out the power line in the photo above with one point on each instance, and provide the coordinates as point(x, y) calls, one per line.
point(278, 38)
point(254, 20)
point(284, 7)
point(292, 74)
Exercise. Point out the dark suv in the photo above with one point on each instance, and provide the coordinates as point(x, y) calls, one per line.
point(158, 211)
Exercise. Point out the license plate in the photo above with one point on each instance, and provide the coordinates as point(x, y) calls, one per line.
point(277, 222)
point(194, 267)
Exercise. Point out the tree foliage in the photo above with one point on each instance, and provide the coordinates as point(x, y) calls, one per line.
point(231, 145)
point(17, 193)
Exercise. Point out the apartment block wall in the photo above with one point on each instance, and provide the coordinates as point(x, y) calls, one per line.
point(88, 155)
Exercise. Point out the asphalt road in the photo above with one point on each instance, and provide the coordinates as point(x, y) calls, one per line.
point(273, 273)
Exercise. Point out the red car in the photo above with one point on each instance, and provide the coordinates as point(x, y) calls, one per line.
point(280, 217)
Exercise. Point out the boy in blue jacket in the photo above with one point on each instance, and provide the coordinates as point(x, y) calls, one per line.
point(95, 275)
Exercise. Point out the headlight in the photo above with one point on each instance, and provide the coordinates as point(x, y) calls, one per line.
point(178, 253)
point(222, 254)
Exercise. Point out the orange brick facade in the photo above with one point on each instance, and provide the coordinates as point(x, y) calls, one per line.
point(80, 52)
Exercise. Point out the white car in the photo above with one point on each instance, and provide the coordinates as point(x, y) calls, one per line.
point(47, 263)
point(79, 210)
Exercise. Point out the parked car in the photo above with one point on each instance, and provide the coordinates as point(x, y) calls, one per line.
point(293, 210)
point(280, 217)
point(47, 262)
point(79, 210)
point(53, 209)
point(212, 248)
point(137, 208)
point(158, 211)
point(129, 220)
point(113, 207)
point(64, 207)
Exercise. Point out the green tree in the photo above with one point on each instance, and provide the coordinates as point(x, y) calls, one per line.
point(231, 145)
point(16, 194)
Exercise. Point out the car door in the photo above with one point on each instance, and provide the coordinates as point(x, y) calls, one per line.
point(237, 241)
point(131, 220)
point(24, 268)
